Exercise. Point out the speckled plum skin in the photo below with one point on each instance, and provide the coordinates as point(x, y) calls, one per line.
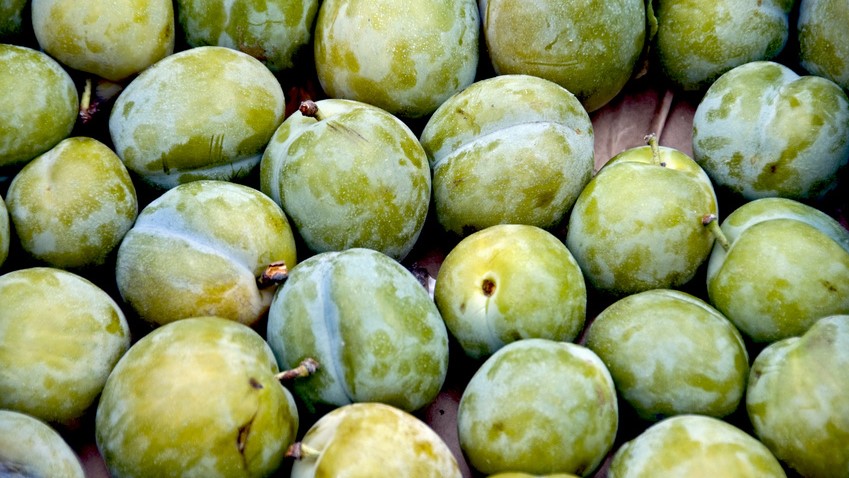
point(761, 130)
point(198, 249)
point(31, 448)
point(694, 445)
point(203, 113)
point(638, 225)
point(513, 149)
point(356, 176)
point(671, 353)
point(40, 104)
point(798, 399)
point(588, 47)
point(787, 266)
point(11, 17)
point(372, 327)
point(196, 397)
point(60, 337)
point(823, 49)
point(374, 440)
point(538, 406)
point(698, 41)
point(72, 205)
point(272, 31)
point(406, 59)
point(5, 231)
point(510, 282)
point(111, 40)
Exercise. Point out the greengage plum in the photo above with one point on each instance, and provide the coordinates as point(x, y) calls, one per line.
point(31, 448)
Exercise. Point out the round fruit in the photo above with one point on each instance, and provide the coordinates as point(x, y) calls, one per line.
point(272, 31)
point(798, 399)
point(761, 130)
point(5, 232)
point(113, 41)
point(369, 323)
point(372, 440)
point(60, 336)
point(203, 113)
point(31, 448)
point(39, 104)
point(406, 59)
point(349, 174)
point(199, 249)
point(821, 33)
point(196, 397)
point(510, 282)
point(698, 41)
point(670, 353)
point(72, 205)
point(781, 267)
point(538, 406)
point(11, 17)
point(694, 445)
point(513, 149)
point(588, 47)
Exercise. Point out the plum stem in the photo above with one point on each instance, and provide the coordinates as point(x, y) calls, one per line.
point(307, 367)
point(651, 139)
point(87, 109)
point(299, 451)
point(275, 274)
point(310, 108)
point(711, 222)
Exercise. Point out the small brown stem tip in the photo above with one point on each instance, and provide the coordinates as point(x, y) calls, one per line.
point(275, 274)
point(309, 108)
point(306, 368)
point(299, 451)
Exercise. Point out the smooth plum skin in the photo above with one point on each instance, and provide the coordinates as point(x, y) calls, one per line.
point(761, 130)
point(821, 31)
point(31, 447)
point(5, 232)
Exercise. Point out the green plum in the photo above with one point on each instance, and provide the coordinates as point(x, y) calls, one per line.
point(368, 322)
point(798, 399)
point(538, 406)
point(273, 31)
point(11, 17)
point(821, 31)
point(404, 58)
point(670, 353)
point(112, 40)
point(639, 223)
point(372, 440)
point(5, 232)
point(780, 266)
point(60, 337)
point(39, 104)
point(761, 130)
point(513, 149)
point(349, 174)
point(200, 249)
point(72, 205)
point(694, 445)
point(203, 113)
point(196, 397)
point(31, 448)
point(698, 41)
point(510, 282)
point(591, 48)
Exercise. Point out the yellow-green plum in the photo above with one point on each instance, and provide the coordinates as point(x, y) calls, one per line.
point(196, 397)
point(698, 41)
point(510, 282)
point(373, 440)
point(60, 337)
point(5, 232)
point(694, 445)
point(538, 406)
point(113, 40)
point(203, 113)
point(821, 31)
point(200, 249)
point(349, 174)
point(639, 223)
point(272, 31)
point(406, 59)
point(781, 266)
point(39, 104)
point(513, 149)
point(72, 205)
point(798, 399)
point(590, 48)
point(761, 130)
point(11, 17)
point(671, 353)
point(372, 327)
point(31, 448)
